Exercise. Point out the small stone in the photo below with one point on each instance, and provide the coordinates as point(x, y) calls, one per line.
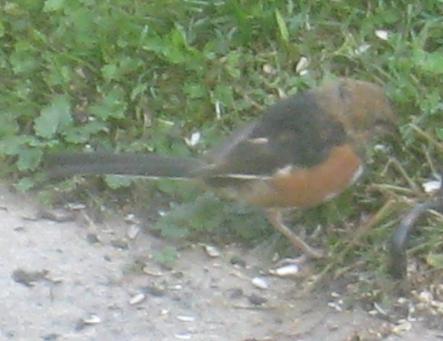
point(257, 300)
point(362, 49)
point(432, 185)
point(193, 140)
point(92, 319)
point(120, 244)
point(268, 69)
point(236, 260)
point(260, 283)
point(336, 306)
point(137, 298)
point(29, 278)
point(380, 147)
point(154, 291)
point(76, 206)
point(51, 337)
point(88, 321)
point(212, 251)
point(402, 301)
point(286, 270)
point(150, 272)
point(185, 318)
point(234, 293)
point(131, 218)
point(177, 287)
point(92, 238)
point(402, 327)
point(133, 231)
point(302, 65)
point(425, 296)
point(382, 34)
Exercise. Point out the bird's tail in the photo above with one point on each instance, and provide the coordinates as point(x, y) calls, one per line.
point(146, 165)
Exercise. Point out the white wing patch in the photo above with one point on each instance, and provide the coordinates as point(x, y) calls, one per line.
point(244, 176)
point(259, 140)
point(286, 170)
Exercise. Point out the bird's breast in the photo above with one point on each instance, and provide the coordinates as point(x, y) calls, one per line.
point(307, 187)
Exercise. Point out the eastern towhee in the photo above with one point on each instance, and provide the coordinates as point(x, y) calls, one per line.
point(304, 150)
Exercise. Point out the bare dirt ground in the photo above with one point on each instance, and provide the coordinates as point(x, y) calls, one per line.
point(80, 281)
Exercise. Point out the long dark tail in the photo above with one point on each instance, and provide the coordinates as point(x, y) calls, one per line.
point(148, 165)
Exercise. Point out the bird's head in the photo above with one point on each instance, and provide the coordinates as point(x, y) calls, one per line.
point(362, 107)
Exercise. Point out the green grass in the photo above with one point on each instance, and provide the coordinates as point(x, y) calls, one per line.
point(113, 74)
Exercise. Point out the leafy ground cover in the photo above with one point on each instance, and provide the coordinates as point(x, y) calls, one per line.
point(145, 75)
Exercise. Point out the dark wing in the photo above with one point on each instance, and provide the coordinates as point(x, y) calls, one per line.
point(294, 132)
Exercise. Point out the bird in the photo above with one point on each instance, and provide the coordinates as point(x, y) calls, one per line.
point(300, 152)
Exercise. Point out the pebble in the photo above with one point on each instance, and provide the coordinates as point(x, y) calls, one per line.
point(212, 251)
point(137, 298)
point(260, 283)
point(186, 318)
point(256, 299)
point(133, 231)
point(286, 270)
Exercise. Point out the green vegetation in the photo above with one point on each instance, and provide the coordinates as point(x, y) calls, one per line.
point(115, 74)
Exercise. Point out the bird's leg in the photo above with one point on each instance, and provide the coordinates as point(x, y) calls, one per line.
point(275, 218)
